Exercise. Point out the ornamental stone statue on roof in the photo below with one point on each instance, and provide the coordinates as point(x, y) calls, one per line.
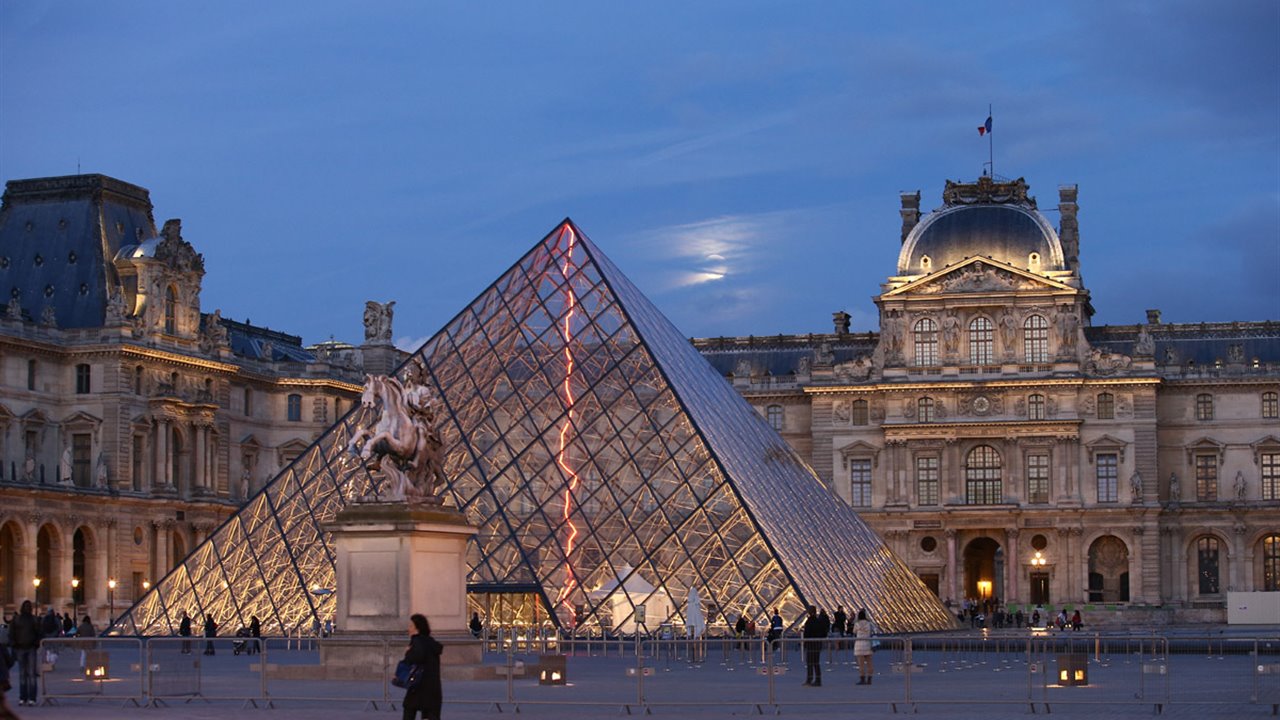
point(377, 321)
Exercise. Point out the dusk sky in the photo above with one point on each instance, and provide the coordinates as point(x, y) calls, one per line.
point(740, 161)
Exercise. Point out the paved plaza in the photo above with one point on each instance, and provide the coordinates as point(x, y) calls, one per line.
point(1180, 673)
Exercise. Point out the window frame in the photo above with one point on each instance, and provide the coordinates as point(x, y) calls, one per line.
point(1036, 462)
point(1270, 405)
point(1208, 546)
point(982, 337)
point(860, 482)
point(983, 482)
point(1035, 339)
point(860, 412)
point(1036, 404)
point(1106, 467)
point(293, 410)
point(1105, 408)
point(776, 416)
point(84, 378)
point(1205, 468)
point(928, 473)
point(925, 342)
point(1204, 407)
point(926, 409)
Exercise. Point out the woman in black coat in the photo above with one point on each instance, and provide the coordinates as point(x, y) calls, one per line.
point(425, 651)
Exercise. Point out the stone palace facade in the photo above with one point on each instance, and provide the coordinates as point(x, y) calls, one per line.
point(1007, 449)
point(131, 421)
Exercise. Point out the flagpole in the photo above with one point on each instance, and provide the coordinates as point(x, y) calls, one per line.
point(991, 152)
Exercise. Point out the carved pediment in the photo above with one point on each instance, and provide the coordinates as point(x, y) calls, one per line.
point(976, 275)
point(859, 449)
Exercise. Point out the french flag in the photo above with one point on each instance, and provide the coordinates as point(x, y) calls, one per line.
point(985, 128)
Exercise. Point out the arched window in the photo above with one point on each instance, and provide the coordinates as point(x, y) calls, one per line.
point(295, 408)
point(1270, 406)
point(924, 410)
point(1207, 552)
point(1035, 407)
point(1204, 406)
point(1035, 339)
point(170, 310)
point(981, 342)
point(1106, 406)
point(926, 342)
point(982, 476)
point(1271, 563)
point(861, 414)
point(775, 416)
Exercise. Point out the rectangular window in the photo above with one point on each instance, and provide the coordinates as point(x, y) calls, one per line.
point(1204, 406)
point(81, 449)
point(981, 342)
point(31, 374)
point(1038, 478)
point(1270, 405)
point(860, 482)
point(861, 416)
point(1270, 463)
point(1106, 406)
point(1035, 407)
point(927, 480)
point(1035, 339)
point(295, 408)
point(1206, 478)
point(926, 342)
point(1207, 565)
point(248, 402)
point(1108, 472)
point(82, 379)
point(137, 463)
point(136, 585)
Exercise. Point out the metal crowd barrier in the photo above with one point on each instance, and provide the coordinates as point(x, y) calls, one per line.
point(90, 669)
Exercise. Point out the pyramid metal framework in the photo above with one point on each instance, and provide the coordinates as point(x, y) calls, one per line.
point(589, 441)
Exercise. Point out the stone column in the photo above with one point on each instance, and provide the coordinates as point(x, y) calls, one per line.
point(163, 465)
point(1239, 579)
point(1012, 562)
point(27, 561)
point(61, 594)
point(197, 462)
point(952, 586)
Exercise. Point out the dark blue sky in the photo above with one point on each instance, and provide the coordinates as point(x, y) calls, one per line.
point(321, 154)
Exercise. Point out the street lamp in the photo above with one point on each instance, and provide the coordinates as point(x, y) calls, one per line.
point(1038, 560)
point(111, 599)
point(35, 584)
point(75, 599)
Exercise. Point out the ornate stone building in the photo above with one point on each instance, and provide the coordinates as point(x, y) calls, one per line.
point(1008, 449)
point(131, 422)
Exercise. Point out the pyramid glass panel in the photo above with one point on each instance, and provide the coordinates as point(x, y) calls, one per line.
point(604, 461)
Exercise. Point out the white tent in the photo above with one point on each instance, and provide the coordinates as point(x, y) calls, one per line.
point(623, 597)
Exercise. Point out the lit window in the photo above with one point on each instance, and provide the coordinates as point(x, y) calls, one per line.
point(1035, 339)
point(82, 379)
point(981, 341)
point(1271, 563)
point(982, 476)
point(1038, 478)
point(295, 408)
point(927, 480)
point(775, 416)
point(1206, 478)
point(926, 341)
point(860, 482)
point(1207, 565)
point(1107, 472)
point(170, 310)
point(1204, 406)
point(1270, 477)
point(924, 409)
point(1035, 407)
point(1270, 406)
point(1106, 406)
point(861, 415)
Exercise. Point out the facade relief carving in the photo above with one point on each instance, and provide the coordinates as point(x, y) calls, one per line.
point(1145, 346)
point(841, 411)
point(978, 277)
point(1105, 362)
point(857, 369)
point(1068, 323)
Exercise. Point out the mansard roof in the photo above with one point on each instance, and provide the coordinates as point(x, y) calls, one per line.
point(58, 236)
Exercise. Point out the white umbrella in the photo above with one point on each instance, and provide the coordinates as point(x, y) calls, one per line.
point(695, 622)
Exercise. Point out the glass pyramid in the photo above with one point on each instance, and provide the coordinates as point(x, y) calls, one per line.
point(605, 462)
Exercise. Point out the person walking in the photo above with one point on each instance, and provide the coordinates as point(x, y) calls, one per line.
point(424, 651)
point(839, 620)
point(210, 631)
point(775, 629)
point(50, 626)
point(184, 630)
point(255, 632)
point(862, 647)
point(24, 638)
point(812, 632)
point(475, 625)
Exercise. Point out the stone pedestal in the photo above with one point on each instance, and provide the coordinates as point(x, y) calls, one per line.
point(395, 560)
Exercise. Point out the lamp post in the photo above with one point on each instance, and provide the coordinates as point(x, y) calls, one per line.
point(75, 599)
point(111, 600)
point(35, 584)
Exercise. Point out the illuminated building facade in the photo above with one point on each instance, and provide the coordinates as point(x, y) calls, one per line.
point(1009, 450)
point(131, 422)
point(611, 471)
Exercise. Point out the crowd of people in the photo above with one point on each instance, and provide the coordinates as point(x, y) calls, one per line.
point(992, 614)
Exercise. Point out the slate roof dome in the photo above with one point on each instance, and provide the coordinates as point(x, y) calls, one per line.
point(986, 219)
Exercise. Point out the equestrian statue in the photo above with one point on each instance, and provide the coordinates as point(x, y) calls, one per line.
point(403, 442)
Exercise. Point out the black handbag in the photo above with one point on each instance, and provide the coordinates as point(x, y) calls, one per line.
point(408, 675)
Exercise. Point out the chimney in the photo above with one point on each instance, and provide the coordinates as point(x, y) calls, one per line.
point(1069, 231)
point(910, 212)
point(841, 320)
point(1153, 317)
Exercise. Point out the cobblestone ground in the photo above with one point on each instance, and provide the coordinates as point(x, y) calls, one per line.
point(1179, 673)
